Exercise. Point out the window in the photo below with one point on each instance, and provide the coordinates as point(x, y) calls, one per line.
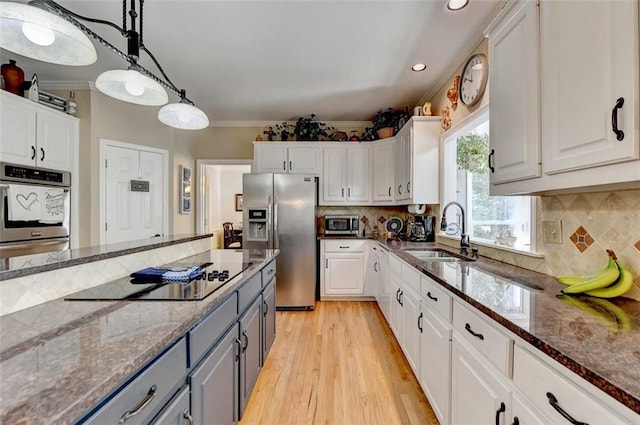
point(499, 220)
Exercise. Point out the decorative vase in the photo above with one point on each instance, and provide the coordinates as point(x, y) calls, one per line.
point(383, 133)
point(13, 77)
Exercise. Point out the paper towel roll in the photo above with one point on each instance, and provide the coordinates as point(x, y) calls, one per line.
point(417, 208)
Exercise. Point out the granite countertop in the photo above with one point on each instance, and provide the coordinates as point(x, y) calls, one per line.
point(58, 359)
point(26, 265)
point(602, 346)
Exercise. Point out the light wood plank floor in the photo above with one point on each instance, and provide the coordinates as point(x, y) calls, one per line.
point(339, 364)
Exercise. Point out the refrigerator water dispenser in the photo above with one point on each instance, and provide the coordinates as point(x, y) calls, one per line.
point(257, 221)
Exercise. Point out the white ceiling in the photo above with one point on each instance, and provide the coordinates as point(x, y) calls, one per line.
point(277, 60)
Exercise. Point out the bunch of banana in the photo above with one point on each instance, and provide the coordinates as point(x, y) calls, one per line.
point(611, 281)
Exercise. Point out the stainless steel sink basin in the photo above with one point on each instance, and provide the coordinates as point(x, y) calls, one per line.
point(434, 255)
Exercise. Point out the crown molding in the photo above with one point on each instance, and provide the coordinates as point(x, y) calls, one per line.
point(261, 124)
point(67, 85)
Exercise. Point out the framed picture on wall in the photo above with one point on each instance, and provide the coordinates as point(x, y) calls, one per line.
point(238, 201)
point(185, 190)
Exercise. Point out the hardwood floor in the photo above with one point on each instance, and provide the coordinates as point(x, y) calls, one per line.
point(339, 364)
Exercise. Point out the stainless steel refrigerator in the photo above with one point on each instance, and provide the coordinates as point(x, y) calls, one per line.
point(279, 213)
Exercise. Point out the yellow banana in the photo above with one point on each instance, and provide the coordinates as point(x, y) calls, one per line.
point(576, 279)
point(601, 280)
point(619, 287)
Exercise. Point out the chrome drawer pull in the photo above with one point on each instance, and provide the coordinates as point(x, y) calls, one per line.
point(553, 401)
point(477, 335)
point(141, 405)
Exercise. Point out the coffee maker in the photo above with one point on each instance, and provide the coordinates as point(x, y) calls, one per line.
point(422, 229)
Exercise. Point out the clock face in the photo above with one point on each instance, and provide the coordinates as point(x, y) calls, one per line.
point(474, 79)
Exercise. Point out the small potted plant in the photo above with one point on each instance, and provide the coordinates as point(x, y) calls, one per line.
point(284, 130)
point(385, 123)
point(307, 128)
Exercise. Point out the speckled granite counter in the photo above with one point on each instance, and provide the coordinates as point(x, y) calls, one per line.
point(604, 351)
point(59, 358)
point(37, 263)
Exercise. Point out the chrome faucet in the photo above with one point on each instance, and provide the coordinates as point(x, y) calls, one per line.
point(464, 238)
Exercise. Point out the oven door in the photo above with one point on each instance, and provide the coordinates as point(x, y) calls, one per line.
point(16, 249)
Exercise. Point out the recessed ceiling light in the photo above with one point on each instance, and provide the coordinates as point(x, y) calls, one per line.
point(455, 5)
point(419, 67)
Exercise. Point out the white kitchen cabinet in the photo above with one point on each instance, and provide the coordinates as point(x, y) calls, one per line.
point(373, 283)
point(416, 165)
point(383, 296)
point(515, 95)
point(589, 60)
point(523, 413)
point(394, 281)
point(412, 321)
point(382, 170)
point(345, 176)
point(275, 157)
point(34, 135)
point(343, 268)
point(478, 396)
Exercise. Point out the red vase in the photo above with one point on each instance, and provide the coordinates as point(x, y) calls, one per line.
point(13, 77)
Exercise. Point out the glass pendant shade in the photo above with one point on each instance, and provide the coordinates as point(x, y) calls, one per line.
point(44, 36)
point(183, 116)
point(131, 86)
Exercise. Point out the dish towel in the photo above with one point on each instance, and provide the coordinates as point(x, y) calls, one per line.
point(25, 202)
point(52, 206)
point(158, 275)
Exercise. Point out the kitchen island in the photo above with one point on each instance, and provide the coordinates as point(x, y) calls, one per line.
point(60, 359)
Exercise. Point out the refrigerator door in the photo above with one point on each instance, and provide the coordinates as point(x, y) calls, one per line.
point(294, 229)
point(257, 192)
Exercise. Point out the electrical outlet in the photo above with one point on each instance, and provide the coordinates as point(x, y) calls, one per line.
point(552, 231)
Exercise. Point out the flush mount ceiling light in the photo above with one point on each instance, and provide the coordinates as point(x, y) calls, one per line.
point(27, 30)
point(455, 5)
point(419, 67)
point(183, 115)
point(53, 33)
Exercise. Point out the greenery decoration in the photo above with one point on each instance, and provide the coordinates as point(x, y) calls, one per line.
point(389, 118)
point(284, 130)
point(307, 128)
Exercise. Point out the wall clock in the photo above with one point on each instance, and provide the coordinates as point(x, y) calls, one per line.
point(474, 79)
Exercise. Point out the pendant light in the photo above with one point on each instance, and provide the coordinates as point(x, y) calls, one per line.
point(131, 86)
point(42, 35)
point(183, 115)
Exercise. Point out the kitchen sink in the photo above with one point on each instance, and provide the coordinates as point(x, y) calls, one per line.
point(435, 255)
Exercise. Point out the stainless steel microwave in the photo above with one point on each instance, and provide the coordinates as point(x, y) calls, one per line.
point(341, 224)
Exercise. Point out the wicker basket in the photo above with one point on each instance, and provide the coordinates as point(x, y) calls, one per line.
point(383, 133)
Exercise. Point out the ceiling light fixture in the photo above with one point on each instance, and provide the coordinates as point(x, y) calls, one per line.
point(419, 67)
point(183, 115)
point(28, 29)
point(455, 5)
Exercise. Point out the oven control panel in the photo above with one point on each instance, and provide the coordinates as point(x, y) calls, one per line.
point(31, 174)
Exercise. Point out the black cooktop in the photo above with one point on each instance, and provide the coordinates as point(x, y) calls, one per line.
point(214, 277)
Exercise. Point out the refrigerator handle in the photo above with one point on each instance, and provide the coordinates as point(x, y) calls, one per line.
point(276, 243)
point(269, 225)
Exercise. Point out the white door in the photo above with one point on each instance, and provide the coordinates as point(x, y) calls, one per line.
point(56, 137)
point(344, 274)
point(271, 159)
point(358, 187)
point(334, 175)
point(410, 330)
point(132, 215)
point(304, 161)
point(17, 131)
point(382, 171)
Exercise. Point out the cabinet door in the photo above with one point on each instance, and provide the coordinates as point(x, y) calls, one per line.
point(56, 136)
point(334, 175)
point(214, 384)
point(407, 161)
point(358, 182)
point(435, 363)
point(268, 318)
point(344, 273)
point(589, 60)
point(177, 412)
point(525, 414)
point(399, 167)
point(251, 355)
point(515, 97)
point(17, 131)
point(271, 159)
point(382, 171)
point(304, 161)
point(411, 321)
point(395, 309)
point(477, 395)
point(385, 287)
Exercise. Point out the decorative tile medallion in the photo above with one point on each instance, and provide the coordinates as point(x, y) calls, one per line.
point(381, 219)
point(364, 219)
point(581, 239)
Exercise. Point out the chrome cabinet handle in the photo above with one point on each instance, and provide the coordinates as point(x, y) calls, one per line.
point(141, 405)
point(553, 401)
point(500, 411)
point(187, 417)
point(42, 156)
point(477, 335)
point(246, 338)
point(431, 297)
point(614, 119)
point(33, 152)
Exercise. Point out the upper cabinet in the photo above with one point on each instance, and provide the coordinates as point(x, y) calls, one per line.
point(382, 167)
point(564, 91)
point(283, 158)
point(345, 176)
point(31, 134)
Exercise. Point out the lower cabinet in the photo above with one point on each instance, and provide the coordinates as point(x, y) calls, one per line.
point(524, 414)
point(177, 411)
point(411, 324)
point(395, 308)
point(343, 268)
point(214, 384)
point(250, 352)
point(268, 318)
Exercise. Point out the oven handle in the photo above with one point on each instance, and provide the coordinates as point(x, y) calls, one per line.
point(34, 242)
point(66, 189)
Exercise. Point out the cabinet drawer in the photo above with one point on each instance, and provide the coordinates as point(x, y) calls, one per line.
point(395, 265)
point(535, 379)
point(248, 292)
point(177, 411)
point(205, 334)
point(343, 245)
point(492, 343)
point(436, 297)
point(268, 272)
point(166, 374)
point(411, 277)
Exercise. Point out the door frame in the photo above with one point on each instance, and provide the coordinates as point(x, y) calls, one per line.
point(102, 205)
point(200, 164)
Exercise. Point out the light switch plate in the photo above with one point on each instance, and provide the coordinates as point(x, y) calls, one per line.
point(552, 231)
